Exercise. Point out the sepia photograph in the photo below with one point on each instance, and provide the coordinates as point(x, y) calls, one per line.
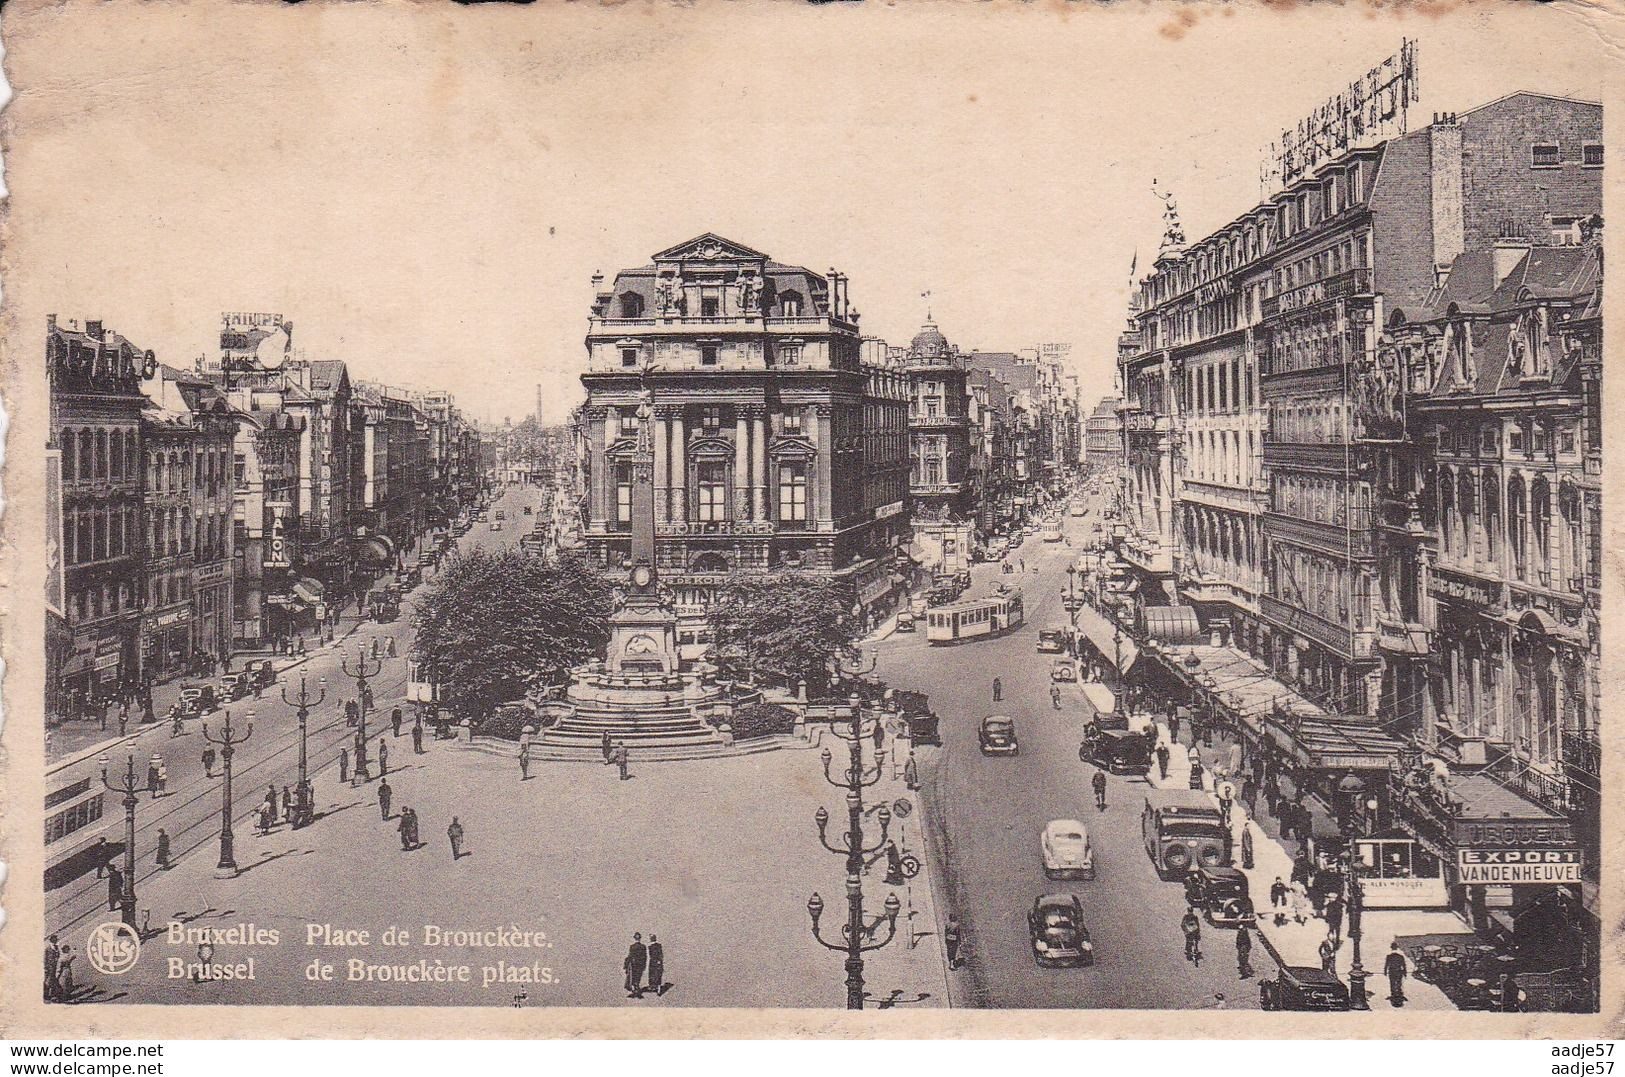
point(772, 507)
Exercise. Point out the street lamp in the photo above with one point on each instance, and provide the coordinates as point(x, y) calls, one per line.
point(128, 787)
point(1072, 594)
point(305, 807)
point(1356, 905)
point(360, 674)
point(857, 935)
point(228, 741)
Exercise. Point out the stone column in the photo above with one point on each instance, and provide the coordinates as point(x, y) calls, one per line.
point(809, 427)
point(596, 466)
point(826, 464)
point(678, 465)
point(758, 476)
point(741, 498)
point(662, 490)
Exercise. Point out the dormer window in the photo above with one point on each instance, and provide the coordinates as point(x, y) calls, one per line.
point(790, 305)
point(631, 305)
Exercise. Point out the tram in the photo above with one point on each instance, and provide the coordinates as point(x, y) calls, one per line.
point(974, 618)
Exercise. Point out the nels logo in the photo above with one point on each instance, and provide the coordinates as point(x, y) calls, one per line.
point(113, 948)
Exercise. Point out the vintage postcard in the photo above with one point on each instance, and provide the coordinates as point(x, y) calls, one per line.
point(761, 518)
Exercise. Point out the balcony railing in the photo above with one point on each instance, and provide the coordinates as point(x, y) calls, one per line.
point(1343, 540)
point(1327, 456)
point(1349, 643)
point(1582, 751)
point(1350, 282)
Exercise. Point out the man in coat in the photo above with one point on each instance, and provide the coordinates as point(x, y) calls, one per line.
point(53, 955)
point(1192, 927)
point(115, 887)
point(385, 793)
point(657, 966)
point(1395, 968)
point(383, 758)
point(607, 746)
point(1244, 952)
point(405, 828)
point(637, 959)
point(623, 759)
point(417, 736)
point(454, 833)
point(395, 721)
point(1162, 760)
point(162, 855)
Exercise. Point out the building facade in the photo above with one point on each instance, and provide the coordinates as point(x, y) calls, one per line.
point(759, 397)
point(942, 490)
point(94, 652)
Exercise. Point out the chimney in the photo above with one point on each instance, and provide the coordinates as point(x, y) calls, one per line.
point(50, 321)
point(1508, 251)
point(1449, 222)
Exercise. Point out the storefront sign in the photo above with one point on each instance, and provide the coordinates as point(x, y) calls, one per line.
point(1404, 893)
point(1519, 867)
point(1512, 833)
point(886, 511)
point(174, 617)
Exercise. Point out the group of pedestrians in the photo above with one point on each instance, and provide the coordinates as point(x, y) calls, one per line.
point(615, 752)
point(645, 967)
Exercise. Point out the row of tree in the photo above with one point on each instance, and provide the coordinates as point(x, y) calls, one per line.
point(495, 625)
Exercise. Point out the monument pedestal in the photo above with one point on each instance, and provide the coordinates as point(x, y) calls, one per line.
point(642, 639)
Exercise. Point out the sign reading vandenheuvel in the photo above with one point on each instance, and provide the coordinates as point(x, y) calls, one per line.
point(1519, 867)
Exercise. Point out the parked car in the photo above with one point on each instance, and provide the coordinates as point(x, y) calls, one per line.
point(1064, 844)
point(905, 621)
point(1300, 987)
point(235, 686)
point(997, 735)
point(1057, 932)
point(1062, 669)
point(1116, 750)
point(1051, 641)
point(1223, 895)
point(197, 700)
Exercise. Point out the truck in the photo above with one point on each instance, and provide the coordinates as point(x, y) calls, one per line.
point(1182, 828)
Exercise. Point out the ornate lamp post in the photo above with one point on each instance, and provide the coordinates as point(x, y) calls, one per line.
point(1356, 910)
point(360, 674)
point(1072, 594)
point(228, 741)
point(857, 935)
point(304, 800)
point(127, 786)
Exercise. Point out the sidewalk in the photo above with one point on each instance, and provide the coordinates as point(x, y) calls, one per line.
point(1298, 943)
point(73, 741)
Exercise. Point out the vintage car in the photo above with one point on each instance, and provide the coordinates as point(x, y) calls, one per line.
point(235, 686)
point(997, 735)
point(1064, 844)
point(1051, 641)
point(1055, 928)
point(1116, 750)
point(1222, 893)
point(1073, 601)
point(496, 525)
point(1062, 669)
point(198, 699)
point(1299, 987)
point(905, 621)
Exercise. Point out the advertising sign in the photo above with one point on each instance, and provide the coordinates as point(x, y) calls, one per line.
point(1519, 867)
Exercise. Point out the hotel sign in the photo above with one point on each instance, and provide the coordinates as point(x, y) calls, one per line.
point(1519, 867)
point(1371, 108)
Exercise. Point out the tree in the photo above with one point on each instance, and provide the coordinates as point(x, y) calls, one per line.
point(784, 627)
point(494, 625)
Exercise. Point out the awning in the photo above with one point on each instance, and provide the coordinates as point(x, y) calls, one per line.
point(309, 590)
point(1331, 743)
point(1112, 643)
point(374, 550)
point(1172, 625)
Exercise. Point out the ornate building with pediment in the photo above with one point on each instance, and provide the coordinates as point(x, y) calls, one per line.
point(760, 406)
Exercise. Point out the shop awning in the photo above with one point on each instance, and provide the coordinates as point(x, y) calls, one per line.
point(1113, 644)
point(1172, 625)
point(309, 590)
point(1332, 743)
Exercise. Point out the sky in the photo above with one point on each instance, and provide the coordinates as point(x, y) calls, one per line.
point(425, 192)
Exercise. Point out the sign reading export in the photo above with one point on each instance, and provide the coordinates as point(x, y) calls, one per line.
point(1519, 867)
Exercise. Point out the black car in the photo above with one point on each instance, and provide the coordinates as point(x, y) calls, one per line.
point(1222, 893)
point(1299, 987)
point(1055, 929)
point(1116, 750)
point(997, 735)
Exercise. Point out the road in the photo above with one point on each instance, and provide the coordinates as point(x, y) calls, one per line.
point(987, 813)
point(190, 812)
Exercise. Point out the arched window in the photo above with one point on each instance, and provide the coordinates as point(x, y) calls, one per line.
point(1517, 527)
point(1574, 551)
point(1492, 520)
point(1467, 491)
point(68, 456)
point(116, 461)
point(1447, 512)
point(101, 454)
point(1540, 522)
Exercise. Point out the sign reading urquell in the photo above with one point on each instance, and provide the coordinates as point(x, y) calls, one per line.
point(1228, 642)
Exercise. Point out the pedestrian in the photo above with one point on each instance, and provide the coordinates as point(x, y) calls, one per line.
point(267, 818)
point(53, 960)
point(1301, 868)
point(64, 973)
point(352, 713)
point(1395, 967)
point(998, 690)
point(911, 772)
point(208, 762)
point(391, 648)
point(1328, 955)
point(1511, 996)
point(162, 855)
point(1192, 928)
point(1099, 783)
point(175, 727)
point(1249, 794)
point(405, 829)
point(1272, 795)
point(952, 939)
point(123, 718)
point(1162, 760)
point(637, 959)
point(524, 762)
point(1244, 952)
point(1334, 918)
point(417, 737)
point(1247, 847)
point(287, 803)
point(657, 965)
point(1055, 696)
point(1173, 725)
point(375, 647)
point(270, 801)
point(607, 747)
point(384, 795)
point(1196, 776)
point(366, 700)
point(1279, 894)
point(454, 833)
point(383, 758)
point(344, 765)
point(622, 760)
point(395, 721)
